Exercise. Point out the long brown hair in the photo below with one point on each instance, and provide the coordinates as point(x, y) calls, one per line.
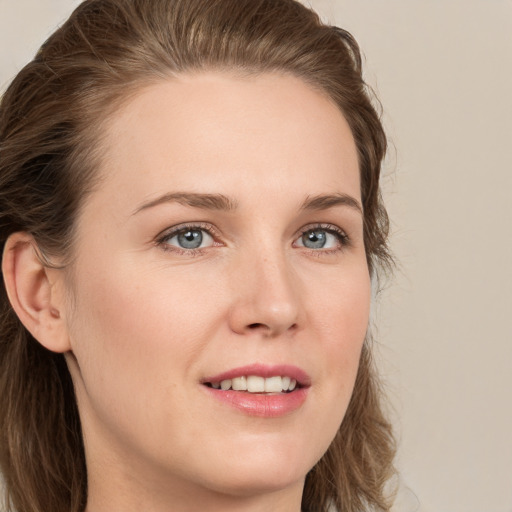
point(50, 144)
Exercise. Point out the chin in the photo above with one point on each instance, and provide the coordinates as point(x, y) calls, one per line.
point(248, 483)
point(265, 470)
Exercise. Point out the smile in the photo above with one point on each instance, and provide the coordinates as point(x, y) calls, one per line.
point(260, 390)
point(256, 384)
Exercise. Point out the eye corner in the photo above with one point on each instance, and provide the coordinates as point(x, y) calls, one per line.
point(328, 239)
point(193, 237)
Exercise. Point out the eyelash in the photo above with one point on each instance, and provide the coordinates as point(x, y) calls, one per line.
point(344, 240)
point(176, 230)
point(161, 241)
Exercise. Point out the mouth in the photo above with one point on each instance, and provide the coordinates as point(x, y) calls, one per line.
point(260, 390)
point(276, 384)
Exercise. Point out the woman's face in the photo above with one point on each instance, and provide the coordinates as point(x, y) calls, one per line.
point(224, 247)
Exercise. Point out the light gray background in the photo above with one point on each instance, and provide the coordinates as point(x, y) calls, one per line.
point(443, 71)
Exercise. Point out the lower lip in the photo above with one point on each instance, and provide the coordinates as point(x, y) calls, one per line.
point(263, 405)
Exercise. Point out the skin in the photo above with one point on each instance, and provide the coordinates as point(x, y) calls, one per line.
point(143, 321)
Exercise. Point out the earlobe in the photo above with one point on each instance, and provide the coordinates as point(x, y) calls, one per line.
point(33, 293)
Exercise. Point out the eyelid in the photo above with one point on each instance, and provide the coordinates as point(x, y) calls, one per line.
point(173, 230)
point(344, 239)
point(160, 239)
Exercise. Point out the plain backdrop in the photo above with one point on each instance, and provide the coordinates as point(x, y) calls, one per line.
point(443, 72)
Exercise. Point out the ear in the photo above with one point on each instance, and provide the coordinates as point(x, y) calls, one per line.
point(35, 292)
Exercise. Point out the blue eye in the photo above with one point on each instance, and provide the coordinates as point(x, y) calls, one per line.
point(314, 239)
point(322, 238)
point(189, 238)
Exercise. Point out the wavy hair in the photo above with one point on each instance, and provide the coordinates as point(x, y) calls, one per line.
point(51, 121)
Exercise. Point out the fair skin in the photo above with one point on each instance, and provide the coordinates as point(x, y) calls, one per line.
point(171, 287)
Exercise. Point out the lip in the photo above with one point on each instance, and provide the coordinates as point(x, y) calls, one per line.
point(265, 371)
point(261, 405)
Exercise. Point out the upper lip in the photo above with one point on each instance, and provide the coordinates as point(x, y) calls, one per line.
point(263, 370)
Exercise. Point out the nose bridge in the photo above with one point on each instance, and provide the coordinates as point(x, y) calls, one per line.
point(266, 298)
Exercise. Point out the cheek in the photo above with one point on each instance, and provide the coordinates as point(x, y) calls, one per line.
point(141, 328)
point(136, 338)
point(129, 330)
point(340, 309)
point(342, 314)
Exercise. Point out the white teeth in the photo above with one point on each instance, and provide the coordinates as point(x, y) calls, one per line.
point(225, 384)
point(273, 385)
point(257, 384)
point(239, 384)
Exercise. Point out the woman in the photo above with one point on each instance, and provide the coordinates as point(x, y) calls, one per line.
point(191, 218)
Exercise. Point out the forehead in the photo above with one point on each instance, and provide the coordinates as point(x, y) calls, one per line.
point(203, 131)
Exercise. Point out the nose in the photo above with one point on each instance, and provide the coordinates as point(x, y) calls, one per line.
point(266, 298)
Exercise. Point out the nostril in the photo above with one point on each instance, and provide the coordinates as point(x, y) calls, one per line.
point(267, 328)
point(257, 326)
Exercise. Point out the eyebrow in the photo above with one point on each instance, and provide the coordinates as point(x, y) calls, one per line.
point(203, 201)
point(225, 203)
point(324, 202)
